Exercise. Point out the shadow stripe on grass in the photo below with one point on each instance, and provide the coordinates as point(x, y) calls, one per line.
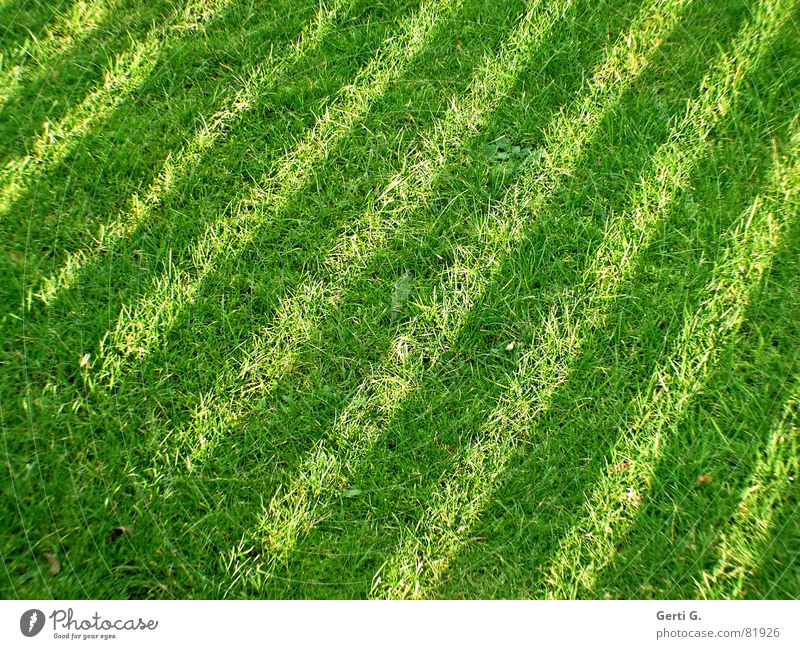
point(129, 72)
point(63, 217)
point(709, 555)
point(541, 517)
point(739, 408)
point(204, 142)
point(209, 413)
point(15, 34)
point(298, 317)
point(745, 541)
point(396, 445)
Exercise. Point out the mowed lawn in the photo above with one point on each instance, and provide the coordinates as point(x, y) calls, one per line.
point(400, 299)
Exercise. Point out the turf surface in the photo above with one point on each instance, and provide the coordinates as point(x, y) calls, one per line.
point(442, 299)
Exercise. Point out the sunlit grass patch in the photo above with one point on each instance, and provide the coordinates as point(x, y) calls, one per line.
point(63, 34)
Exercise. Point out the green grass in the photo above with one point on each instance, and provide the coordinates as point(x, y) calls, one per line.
point(285, 313)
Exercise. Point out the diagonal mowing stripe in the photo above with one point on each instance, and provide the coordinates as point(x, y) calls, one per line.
point(293, 512)
point(259, 80)
point(269, 198)
point(67, 34)
point(591, 542)
point(416, 566)
point(130, 71)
